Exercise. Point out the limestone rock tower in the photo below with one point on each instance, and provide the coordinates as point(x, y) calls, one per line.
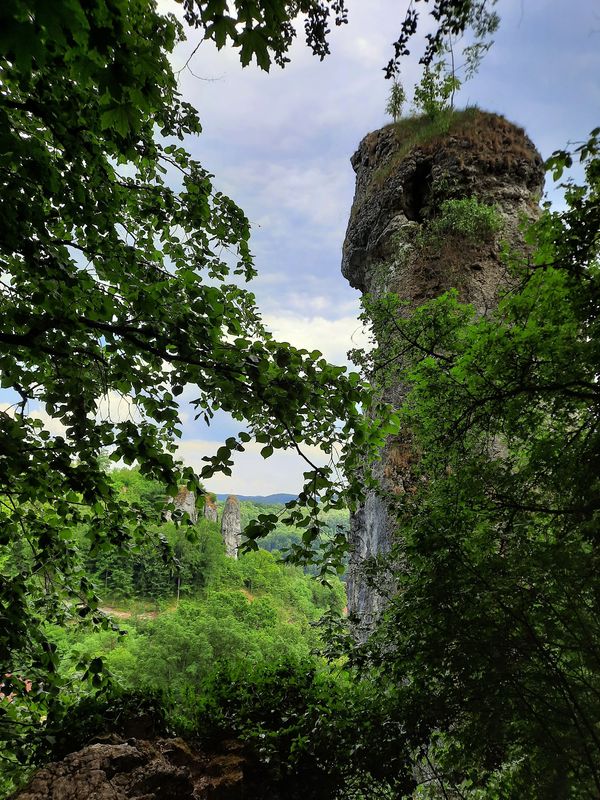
point(185, 503)
point(404, 173)
point(210, 509)
point(231, 526)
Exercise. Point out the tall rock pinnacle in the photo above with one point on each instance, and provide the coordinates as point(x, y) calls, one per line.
point(231, 526)
point(404, 173)
point(185, 503)
point(210, 509)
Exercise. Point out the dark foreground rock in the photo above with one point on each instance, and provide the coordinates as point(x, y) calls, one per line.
point(165, 769)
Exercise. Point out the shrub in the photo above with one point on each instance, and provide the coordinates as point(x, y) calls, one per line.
point(312, 728)
point(435, 94)
point(395, 101)
point(466, 218)
point(69, 726)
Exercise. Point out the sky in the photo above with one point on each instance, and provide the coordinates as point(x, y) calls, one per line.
point(280, 145)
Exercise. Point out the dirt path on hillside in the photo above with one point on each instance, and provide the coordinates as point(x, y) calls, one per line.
point(120, 613)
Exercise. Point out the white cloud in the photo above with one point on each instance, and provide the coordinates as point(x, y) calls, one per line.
point(368, 51)
point(112, 407)
point(252, 474)
point(115, 407)
point(332, 337)
point(54, 426)
point(316, 192)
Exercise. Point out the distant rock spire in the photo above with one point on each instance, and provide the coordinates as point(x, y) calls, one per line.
point(231, 526)
point(210, 509)
point(185, 503)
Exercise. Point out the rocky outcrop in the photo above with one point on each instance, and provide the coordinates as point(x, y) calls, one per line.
point(185, 503)
point(165, 769)
point(404, 173)
point(210, 509)
point(398, 186)
point(231, 526)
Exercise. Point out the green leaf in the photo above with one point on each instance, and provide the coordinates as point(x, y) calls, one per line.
point(117, 118)
point(96, 665)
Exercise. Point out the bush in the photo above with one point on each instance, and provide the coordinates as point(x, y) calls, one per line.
point(466, 218)
point(312, 728)
point(395, 101)
point(435, 94)
point(69, 726)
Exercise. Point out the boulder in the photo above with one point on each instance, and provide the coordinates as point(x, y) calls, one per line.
point(164, 769)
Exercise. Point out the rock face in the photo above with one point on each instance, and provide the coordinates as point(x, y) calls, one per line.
point(185, 503)
point(210, 509)
point(401, 181)
point(231, 526)
point(166, 769)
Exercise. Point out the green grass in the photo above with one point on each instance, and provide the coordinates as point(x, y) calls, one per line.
point(415, 131)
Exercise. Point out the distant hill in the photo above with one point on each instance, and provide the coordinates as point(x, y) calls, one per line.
point(267, 500)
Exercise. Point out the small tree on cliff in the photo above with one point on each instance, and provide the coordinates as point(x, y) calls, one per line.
point(395, 101)
point(435, 93)
point(442, 76)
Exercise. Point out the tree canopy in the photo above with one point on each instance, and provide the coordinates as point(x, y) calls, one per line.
point(121, 283)
point(121, 271)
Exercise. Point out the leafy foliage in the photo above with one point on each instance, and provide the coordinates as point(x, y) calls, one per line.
point(314, 728)
point(442, 77)
point(70, 726)
point(249, 612)
point(310, 728)
point(252, 611)
point(465, 218)
point(265, 30)
point(114, 293)
point(395, 101)
point(452, 18)
point(285, 538)
point(435, 93)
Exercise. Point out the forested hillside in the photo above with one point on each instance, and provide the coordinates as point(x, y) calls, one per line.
point(176, 611)
point(185, 607)
point(180, 559)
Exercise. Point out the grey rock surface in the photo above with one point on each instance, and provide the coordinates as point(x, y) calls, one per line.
point(231, 526)
point(397, 185)
point(185, 503)
point(210, 509)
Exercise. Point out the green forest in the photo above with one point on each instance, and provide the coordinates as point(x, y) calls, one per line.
point(177, 616)
point(467, 430)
